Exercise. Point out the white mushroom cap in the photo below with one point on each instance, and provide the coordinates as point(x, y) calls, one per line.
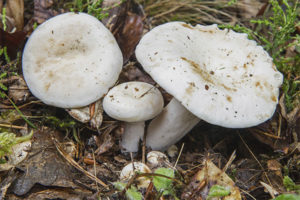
point(130, 169)
point(71, 60)
point(218, 75)
point(133, 102)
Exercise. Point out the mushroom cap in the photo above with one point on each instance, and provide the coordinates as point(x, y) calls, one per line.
point(133, 102)
point(219, 75)
point(134, 167)
point(71, 60)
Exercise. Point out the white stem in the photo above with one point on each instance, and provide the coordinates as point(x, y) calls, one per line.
point(133, 133)
point(174, 122)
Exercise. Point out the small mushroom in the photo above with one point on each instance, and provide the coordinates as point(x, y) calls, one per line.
point(157, 159)
point(71, 60)
point(134, 103)
point(130, 169)
point(220, 76)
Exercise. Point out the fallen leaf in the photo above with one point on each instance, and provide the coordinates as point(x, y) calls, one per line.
point(44, 166)
point(92, 113)
point(43, 11)
point(130, 34)
point(205, 178)
point(17, 155)
point(15, 10)
point(18, 91)
point(13, 41)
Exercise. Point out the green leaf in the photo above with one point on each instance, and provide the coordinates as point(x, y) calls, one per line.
point(162, 184)
point(131, 194)
point(218, 191)
point(289, 184)
point(287, 197)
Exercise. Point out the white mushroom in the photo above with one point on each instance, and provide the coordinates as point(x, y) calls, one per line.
point(157, 159)
point(136, 167)
point(134, 103)
point(218, 75)
point(71, 60)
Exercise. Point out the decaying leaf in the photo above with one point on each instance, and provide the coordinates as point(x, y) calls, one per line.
point(130, 34)
point(18, 91)
point(91, 113)
point(15, 10)
point(13, 41)
point(44, 166)
point(208, 176)
point(17, 155)
point(126, 23)
point(43, 11)
point(105, 140)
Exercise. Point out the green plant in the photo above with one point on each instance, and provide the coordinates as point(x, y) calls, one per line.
point(287, 197)
point(131, 193)
point(2, 86)
point(290, 185)
point(8, 140)
point(276, 31)
point(92, 7)
point(162, 184)
point(4, 19)
point(217, 191)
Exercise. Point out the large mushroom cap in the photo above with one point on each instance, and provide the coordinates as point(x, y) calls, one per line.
point(71, 60)
point(133, 102)
point(218, 75)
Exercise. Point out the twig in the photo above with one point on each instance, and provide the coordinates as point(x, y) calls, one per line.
point(179, 155)
point(76, 165)
point(12, 126)
point(255, 159)
point(20, 113)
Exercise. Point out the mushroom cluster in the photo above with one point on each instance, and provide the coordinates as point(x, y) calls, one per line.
point(214, 75)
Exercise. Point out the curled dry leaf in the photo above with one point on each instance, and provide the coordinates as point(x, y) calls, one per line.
point(130, 34)
point(15, 10)
point(126, 23)
point(13, 41)
point(207, 177)
point(91, 113)
point(105, 141)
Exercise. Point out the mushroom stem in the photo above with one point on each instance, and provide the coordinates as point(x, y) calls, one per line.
point(133, 133)
point(174, 122)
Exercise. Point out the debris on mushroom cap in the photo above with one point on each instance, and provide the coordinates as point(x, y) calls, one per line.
point(133, 102)
point(129, 170)
point(219, 75)
point(71, 60)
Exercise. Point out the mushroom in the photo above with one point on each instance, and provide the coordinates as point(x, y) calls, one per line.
point(219, 76)
point(134, 103)
point(71, 60)
point(136, 167)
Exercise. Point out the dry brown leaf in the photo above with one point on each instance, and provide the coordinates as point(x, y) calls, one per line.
point(130, 34)
point(92, 113)
point(18, 91)
point(205, 178)
point(13, 41)
point(15, 10)
point(43, 11)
